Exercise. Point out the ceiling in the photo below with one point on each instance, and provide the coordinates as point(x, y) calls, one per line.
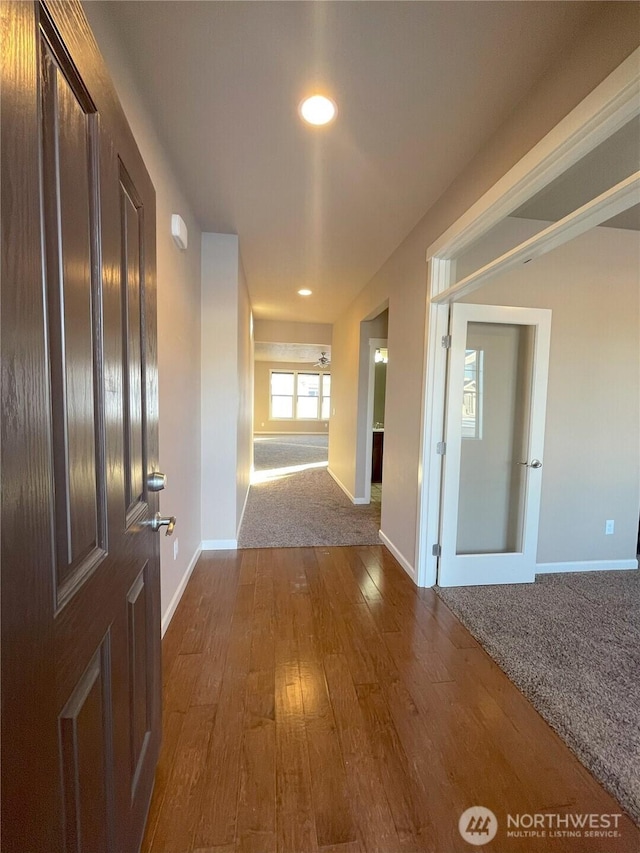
point(615, 159)
point(420, 86)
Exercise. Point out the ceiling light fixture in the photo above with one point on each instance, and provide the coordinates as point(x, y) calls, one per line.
point(304, 292)
point(318, 110)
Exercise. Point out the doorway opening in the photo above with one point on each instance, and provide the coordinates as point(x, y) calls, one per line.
point(293, 500)
point(372, 395)
point(380, 361)
point(527, 196)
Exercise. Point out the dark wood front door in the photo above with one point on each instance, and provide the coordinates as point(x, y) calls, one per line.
point(80, 564)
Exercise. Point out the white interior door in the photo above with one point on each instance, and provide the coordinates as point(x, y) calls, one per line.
point(496, 402)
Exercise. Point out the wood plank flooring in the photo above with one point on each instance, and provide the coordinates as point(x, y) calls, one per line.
point(315, 701)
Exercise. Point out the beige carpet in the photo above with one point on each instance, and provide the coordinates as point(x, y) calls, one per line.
point(297, 503)
point(571, 643)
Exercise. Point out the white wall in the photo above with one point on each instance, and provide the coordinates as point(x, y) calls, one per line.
point(591, 467)
point(288, 332)
point(220, 390)
point(611, 35)
point(226, 360)
point(178, 327)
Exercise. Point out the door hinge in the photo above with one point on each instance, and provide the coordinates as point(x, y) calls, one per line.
point(441, 448)
point(446, 341)
point(436, 551)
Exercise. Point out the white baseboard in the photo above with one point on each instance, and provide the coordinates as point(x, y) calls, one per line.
point(171, 609)
point(406, 565)
point(219, 544)
point(356, 501)
point(585, 566)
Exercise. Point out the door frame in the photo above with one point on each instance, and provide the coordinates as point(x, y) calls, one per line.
point(374, 344)
point(491, 568)
point(605, 110)
point(364, 439)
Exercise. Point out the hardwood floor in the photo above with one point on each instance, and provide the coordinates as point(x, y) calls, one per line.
point(316, 700)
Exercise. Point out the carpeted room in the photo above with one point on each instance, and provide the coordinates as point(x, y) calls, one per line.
point(294, 502)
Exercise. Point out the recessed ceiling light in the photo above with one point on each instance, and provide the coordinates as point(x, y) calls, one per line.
point(304, 292)
point(318, 110)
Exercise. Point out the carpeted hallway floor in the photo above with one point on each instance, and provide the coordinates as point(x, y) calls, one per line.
point(571, 643)
point(294, 502)
point(271, 452)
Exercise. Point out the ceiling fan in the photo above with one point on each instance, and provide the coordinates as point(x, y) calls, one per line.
point(323, 361)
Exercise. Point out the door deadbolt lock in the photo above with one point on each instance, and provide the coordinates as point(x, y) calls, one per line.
point(159, 521)
point(156, 481)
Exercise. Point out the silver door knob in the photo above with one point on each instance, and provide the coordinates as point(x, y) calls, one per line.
point(159, 521)
point(156, 481)
point(535, 463)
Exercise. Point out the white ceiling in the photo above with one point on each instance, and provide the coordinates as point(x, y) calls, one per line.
point(419, 86)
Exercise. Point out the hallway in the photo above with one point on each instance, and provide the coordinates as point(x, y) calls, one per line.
point(316, 700)
point(294, 502)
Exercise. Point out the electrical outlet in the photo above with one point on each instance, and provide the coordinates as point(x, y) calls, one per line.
point(175, 549)
point(609, 526)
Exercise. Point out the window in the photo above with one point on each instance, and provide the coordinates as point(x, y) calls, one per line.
point(308, 396)
point(282, 387)
point(300, 395)
point(326, 396)
point(472, 394)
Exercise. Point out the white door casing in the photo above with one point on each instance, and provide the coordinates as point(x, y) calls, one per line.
point(509, 564)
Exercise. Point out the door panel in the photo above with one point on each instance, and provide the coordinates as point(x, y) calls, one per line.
point(140, 656)
point(86, 734)
point(133, 341)
point(496, 402)
point(496, 395)
point(80, 564)
point(69, 196)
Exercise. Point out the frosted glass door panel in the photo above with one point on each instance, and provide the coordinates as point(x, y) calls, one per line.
point(495, 413)
point(495, 416)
